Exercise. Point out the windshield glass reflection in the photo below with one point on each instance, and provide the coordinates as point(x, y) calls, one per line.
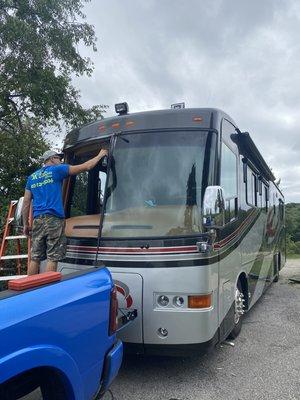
point(155, 184)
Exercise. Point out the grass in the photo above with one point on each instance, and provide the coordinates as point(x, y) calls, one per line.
point(293, 256)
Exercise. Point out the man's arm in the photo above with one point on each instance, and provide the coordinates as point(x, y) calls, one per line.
point(86, 166)
point(25, 211)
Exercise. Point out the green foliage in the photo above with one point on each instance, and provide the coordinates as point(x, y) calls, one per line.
point(79, 199)
point(292, 212)
point(39, 41)
point(19, 157)
point(38, 52)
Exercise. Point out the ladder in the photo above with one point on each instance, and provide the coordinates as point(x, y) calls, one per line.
point(6, 237)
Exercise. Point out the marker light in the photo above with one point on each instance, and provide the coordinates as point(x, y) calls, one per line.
point(163, 300)
point(121, 108)
point(200, 301)
point(197, 119)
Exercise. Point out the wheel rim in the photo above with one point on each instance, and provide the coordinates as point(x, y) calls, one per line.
point(239, 306)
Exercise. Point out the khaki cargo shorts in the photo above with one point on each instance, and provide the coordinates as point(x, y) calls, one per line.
point(48, 238)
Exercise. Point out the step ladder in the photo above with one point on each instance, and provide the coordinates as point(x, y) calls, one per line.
point(6, 237)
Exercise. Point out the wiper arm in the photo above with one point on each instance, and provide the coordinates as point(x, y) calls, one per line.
point(125, 140)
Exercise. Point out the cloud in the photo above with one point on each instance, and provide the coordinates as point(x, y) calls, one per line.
point(237, 55)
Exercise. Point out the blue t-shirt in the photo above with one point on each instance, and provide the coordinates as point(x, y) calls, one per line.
point(45, 186)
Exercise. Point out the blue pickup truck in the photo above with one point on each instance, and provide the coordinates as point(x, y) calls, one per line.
point(60, 337)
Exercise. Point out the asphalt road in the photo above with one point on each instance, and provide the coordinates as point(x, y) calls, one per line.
point(264, 363)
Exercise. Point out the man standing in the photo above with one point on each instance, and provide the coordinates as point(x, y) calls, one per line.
point(44, 188)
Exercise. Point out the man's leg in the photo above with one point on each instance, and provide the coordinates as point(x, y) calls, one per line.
point(51, 265)
point(34, 267)
point(38, 246)
point(56, 242)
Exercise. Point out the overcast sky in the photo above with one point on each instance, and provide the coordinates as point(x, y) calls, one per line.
point(238, 55)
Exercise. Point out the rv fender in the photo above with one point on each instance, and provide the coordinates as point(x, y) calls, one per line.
point(42, 356)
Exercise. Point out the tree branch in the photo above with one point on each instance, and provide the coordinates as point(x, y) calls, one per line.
point(9, 100)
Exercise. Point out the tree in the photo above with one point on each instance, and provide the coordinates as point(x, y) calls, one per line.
point(19, 157)
point(39, 42)
point(38, 52)
point(292, 211)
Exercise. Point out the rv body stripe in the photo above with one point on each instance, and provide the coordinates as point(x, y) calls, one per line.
point(165, 250)
point(122, 250)
point(244, 225)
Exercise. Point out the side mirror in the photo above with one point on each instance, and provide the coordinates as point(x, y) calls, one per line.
point(213, 207)
point(18, 219)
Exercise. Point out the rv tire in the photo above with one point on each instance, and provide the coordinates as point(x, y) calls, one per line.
point(238, 312)
point(276, 268)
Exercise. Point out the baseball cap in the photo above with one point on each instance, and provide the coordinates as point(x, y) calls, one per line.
point(50, 153)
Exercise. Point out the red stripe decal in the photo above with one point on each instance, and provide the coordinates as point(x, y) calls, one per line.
point(120, 250)
point(234, 234)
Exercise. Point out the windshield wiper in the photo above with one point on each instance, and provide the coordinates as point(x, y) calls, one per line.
point(132, 227)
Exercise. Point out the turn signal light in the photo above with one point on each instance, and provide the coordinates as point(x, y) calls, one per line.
point(200, 301)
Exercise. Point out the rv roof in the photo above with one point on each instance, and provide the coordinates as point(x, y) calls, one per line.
point(206, 118)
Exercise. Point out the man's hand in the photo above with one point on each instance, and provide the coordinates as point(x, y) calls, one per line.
point(102, 153)
point(88, 165)
point(27, 230)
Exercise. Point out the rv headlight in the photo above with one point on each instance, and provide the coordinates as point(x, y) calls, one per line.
point(163, 300)
point(178, 301)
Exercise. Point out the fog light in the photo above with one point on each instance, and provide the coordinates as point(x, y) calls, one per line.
point(163, 300)
point(178, 301)
point(162, 332)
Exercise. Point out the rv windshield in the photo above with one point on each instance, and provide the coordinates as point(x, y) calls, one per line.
point(156, 183)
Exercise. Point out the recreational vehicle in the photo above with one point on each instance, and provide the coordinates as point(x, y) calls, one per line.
point(186, 214)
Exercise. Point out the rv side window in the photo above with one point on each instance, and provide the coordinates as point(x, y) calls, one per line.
point(266, 198)
point(87, 193)
point(79, 195)
point(281, 210)
point(260, 201)
point(229, 182)
point(101, 186)
point(274, 203)
point(251, 187)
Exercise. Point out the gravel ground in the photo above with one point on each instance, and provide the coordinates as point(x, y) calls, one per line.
point(264, 363)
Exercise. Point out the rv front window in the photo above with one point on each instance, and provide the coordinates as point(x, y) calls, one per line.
point(156, 182)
